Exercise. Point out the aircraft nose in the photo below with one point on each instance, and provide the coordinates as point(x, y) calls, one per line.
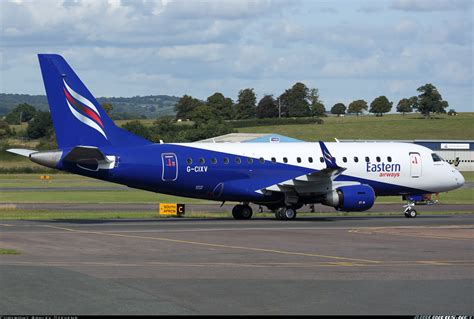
point(459, 178)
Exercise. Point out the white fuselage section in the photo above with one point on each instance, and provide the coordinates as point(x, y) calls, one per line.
point(399, 164)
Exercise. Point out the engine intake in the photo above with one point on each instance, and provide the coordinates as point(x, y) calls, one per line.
point(354, 198)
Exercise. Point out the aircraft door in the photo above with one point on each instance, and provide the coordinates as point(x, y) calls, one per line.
point(415, 165)
point(169, 167)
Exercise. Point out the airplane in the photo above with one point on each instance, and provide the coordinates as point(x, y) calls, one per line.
point(281, 176)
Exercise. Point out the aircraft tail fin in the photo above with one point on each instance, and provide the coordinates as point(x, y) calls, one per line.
point(78, 118)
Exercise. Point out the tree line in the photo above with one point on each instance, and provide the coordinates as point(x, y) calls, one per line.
point(208, 118)
point(301, 101)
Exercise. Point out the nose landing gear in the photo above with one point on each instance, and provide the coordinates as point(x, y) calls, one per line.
point(410, 211)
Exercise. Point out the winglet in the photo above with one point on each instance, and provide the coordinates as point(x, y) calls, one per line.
point(328, 158)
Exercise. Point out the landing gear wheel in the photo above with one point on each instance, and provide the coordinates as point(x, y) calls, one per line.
point(285, 213)
point(241, 212)
point(277, 213)
point(246, 212)
point(289, 213)
point(410, 213)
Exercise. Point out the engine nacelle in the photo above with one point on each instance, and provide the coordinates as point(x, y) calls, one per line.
point(354, 198)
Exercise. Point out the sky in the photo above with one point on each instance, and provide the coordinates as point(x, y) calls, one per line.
point(349, 50)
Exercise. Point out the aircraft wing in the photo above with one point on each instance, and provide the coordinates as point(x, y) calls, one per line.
point(318, 182)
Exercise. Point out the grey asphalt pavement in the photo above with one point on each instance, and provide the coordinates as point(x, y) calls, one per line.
point(313, 265)
point(216, 207)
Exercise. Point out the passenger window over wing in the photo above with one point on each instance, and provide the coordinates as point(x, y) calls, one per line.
point(310, 159)
point(214, 160)
point(262, 160)
point(238, 160)
point(298, 159)
point(202, 161)
point(249, 160)
point(356, 159)
point(285, 160)
point(321, 160)
point(344, 159)
point(274, 160)
point(226, 160)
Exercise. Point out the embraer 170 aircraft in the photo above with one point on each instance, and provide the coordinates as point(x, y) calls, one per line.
point(280, 176)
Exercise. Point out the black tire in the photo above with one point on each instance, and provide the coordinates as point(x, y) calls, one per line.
point(246, 212)
point(413, 213)
point(280, 213)
point(277, 214)
point(237, 212)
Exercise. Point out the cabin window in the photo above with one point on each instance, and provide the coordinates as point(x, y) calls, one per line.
point(202, 161)
point(310, 159)
point(344, 159)
point(261, 160)
point(378, 158)
point(274, 160)
point(238, 160)
point(214, 160)
point(285, 160)
point(367, 159)
point(226, 160)
point(298, 159)
point(389, 159)
point(321, 160)
point(356, 159)
point(189, 161)
point(249, 160)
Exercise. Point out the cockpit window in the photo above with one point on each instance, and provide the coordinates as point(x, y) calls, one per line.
point(436, 157)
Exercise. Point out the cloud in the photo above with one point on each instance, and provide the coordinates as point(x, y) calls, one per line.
point(130, 47)
point(431, 5)
point(371, 7)
point(197, 52)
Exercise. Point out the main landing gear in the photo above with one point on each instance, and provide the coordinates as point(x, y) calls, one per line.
point(285, 213)
point(242, 212)
point(410, 211)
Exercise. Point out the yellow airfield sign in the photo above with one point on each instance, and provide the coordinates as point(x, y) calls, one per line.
point(171, 209)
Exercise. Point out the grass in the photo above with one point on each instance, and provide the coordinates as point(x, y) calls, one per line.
point(459, 196)
point(13, 214)
point(4, 251)
point(115, 196)
point(388, 127)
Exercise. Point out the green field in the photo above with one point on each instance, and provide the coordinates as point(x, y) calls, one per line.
point(8, 211)
point(388, 127)
point(461, 196)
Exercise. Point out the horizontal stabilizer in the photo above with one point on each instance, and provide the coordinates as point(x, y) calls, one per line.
point(21, 151)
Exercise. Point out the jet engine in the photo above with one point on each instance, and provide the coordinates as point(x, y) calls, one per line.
point(355, 198)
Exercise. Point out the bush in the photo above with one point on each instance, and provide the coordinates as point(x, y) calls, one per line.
point(5, 130)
